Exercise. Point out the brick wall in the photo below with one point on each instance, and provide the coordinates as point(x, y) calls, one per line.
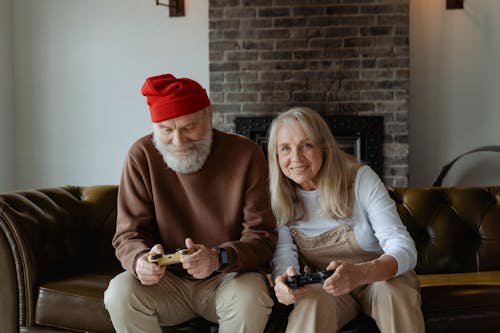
point(337, 56)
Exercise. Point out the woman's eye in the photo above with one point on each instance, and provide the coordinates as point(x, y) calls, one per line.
point(307, 146)
point(284, 149)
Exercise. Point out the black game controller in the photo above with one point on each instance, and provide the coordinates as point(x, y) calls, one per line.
point(298, 281)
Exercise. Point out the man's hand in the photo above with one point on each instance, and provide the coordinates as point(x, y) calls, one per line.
point(150, 273)
point(284, 293)
point(202, 263)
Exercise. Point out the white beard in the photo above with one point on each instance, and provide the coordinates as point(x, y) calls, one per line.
point(190, 159)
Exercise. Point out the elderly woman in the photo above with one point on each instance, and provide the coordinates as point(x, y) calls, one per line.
point(335, 213)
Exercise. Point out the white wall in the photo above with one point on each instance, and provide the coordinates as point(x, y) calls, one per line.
point(79, 69)
point(79, 66)
point(454, 91)
point(6, 101)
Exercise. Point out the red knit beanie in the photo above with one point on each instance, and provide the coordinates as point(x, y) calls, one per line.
point(169, 97)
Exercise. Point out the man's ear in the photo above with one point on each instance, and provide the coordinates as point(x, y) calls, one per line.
point(210, 113)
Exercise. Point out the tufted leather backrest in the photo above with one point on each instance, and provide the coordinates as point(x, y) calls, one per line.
point(51, 233)
point(455, 229)
point(69, 228)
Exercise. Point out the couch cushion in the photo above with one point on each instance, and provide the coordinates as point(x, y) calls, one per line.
point(74, 303)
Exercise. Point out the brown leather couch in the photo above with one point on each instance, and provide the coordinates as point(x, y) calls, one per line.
point(56, 259)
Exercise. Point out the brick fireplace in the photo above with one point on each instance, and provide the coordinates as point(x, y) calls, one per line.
point(340, 57)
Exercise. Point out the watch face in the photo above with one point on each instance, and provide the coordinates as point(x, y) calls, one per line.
point(223, 257)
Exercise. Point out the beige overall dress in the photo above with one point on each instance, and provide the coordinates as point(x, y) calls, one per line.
point(394, 304)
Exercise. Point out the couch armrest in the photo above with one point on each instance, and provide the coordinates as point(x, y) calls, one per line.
point(8, 287)
point(46, 234)
point(491, 278)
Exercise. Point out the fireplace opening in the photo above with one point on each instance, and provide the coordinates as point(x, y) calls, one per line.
point(360, 136)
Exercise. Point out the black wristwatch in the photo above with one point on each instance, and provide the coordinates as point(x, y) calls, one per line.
point(223, 258)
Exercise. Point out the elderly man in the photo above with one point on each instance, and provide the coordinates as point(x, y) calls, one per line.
point(188, 185)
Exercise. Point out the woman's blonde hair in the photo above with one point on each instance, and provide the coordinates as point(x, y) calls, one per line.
point(335, 177)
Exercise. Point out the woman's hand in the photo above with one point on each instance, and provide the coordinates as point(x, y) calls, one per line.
point(147, 272)
point(348, 277)
point(284, 293)
point(345, 278)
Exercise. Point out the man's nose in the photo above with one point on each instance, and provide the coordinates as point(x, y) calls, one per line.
point(178, 138)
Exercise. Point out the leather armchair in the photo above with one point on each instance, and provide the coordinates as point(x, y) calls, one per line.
point(56, 259)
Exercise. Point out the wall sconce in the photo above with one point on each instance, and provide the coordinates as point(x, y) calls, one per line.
point(176, 7)
point(454, 4)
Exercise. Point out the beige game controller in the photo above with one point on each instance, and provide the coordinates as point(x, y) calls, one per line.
point(170, 259)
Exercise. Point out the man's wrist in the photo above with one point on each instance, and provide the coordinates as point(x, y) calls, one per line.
point(223, 258)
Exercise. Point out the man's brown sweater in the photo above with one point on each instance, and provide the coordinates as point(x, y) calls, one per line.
point(224, 204)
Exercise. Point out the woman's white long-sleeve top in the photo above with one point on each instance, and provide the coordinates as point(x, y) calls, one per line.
point(376, 225)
